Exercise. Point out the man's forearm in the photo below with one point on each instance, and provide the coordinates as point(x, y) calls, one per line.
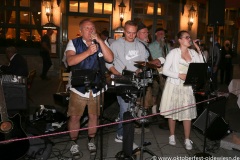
point(114, 71)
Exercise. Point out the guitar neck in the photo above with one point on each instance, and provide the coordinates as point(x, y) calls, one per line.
point(3, 108)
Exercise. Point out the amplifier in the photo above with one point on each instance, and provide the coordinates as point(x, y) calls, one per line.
point(61, 98)
point(15, 95)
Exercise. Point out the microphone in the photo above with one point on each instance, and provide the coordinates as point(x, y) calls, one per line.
point(164, 39)
point(198, 42)
point(94, 41)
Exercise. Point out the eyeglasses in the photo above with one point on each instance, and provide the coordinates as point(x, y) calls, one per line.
point(187, 37)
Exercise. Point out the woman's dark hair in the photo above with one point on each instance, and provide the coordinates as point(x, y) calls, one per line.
point(180, 33)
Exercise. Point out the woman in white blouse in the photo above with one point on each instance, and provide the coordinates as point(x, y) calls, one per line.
point(178, 101)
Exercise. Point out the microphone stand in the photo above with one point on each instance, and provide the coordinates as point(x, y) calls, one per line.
point(100, 86)
point(204, 154)
point(102, 81)
point(143, 113)
point(212, 79)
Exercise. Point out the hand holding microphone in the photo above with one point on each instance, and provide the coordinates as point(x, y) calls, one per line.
point(93, 48)
point(196, 43)
point(94, 37)
point(164, 39)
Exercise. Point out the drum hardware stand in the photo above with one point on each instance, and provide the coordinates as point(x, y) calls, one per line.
point(129, 94)
point(143, 147)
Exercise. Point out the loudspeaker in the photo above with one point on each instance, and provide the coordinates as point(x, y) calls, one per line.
point(15, 96)
point(61, 98)
point(216, 10)
point(216, 128)
point(218, 106)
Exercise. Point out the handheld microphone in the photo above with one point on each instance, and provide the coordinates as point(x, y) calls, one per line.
point(94, 41)
point(164, 39)
point(198, 42)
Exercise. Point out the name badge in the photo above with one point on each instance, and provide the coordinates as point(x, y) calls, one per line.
point(100, 54)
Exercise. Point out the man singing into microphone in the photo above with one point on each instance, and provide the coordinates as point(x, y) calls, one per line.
point(86, 52)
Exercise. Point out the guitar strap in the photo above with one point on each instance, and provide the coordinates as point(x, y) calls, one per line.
point(150, 55)
point(164, 51)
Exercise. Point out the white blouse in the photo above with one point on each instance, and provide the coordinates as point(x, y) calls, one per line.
point(171, 65)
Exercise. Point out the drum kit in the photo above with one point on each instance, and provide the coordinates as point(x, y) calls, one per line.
point(130, 86)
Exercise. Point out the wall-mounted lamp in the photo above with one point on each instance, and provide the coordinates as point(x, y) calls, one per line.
point(48, 9)
point(122, 7)
point(191, 15)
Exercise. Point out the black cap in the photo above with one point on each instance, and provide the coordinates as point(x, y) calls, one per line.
point(105, 33)
point(160, 29)
point(141, 26)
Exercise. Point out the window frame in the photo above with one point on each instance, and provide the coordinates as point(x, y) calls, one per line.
point(33, 14)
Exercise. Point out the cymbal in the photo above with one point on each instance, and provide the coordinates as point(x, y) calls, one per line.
point(140, 64)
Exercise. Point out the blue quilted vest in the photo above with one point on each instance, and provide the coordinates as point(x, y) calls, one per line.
point(93, 62)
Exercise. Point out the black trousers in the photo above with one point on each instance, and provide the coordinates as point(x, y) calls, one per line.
point(47, 63)
point(226, 73)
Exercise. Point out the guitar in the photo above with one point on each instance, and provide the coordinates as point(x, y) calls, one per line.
point(10, 128)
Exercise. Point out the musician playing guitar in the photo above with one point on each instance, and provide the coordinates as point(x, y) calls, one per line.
point(142, 36)
point(10, 129)
point(159, 49)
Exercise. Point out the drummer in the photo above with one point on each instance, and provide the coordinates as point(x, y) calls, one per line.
point(126, 51)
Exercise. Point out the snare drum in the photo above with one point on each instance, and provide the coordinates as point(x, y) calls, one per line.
point(148, 74)
point(119, 80)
